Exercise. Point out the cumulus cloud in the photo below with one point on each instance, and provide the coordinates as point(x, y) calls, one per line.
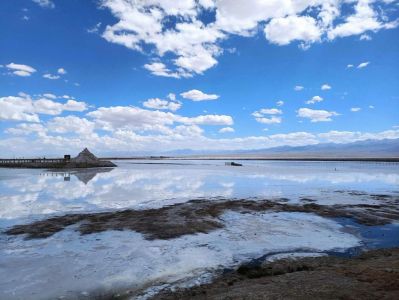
point(363, 65)
point(28, 128)
point(61, 71)
point(45, 3)
point(364, 19)
point(171, 96)
point(136, 129)
point(74, 124)
point(182, 43)
point(24, 108)
point(226, 129)
point(314, 100)
point(270, 111)
point(349, 66)
point(280, 103)
point(267, 120)
point(316, 115)
point(282, 31)
point(134, 118)
point(157, 103)
point(50, 76)
point(355, 109)
point(51, 96)
point(365, 37)
point(21, 70)
point(196, 95)
point(325, 87)
point(268, 115)
point(160, 69)
point(298, 88)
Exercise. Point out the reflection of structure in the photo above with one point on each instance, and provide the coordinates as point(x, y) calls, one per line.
point(83, 175)
point(87, 175)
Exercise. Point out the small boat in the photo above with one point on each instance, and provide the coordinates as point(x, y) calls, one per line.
point(232, 163)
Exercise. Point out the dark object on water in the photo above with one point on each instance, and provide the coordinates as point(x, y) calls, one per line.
point(232, 163)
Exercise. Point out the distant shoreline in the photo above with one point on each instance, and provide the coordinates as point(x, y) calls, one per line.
point(337, 159)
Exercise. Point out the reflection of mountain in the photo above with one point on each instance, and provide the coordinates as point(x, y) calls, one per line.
point(88, 174)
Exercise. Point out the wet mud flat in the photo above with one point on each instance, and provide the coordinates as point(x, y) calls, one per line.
point(372, 275)
point(203, 216)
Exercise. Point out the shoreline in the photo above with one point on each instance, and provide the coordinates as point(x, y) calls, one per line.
point(371, 275)
point(317, 159)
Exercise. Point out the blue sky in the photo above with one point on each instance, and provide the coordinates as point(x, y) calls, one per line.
point(122, 76)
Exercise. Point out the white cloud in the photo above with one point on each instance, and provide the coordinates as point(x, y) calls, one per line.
point(271, 120)
point(50, 76)
point(72, 124)
point(160, 69)
point(316, 115)
point(157, 103)
point(350, 66)
point(226, 129)
point(267, 116)
point(314, 100)
point(137, 119)
point(193, 44)
point(282, 31)
point(61, 71)
point(280, 103)
point(171, 96)
point(364, 19)
point(363, 65)
point(354, 136)
point(17, 109)
point(365, 37)
point(298, 88)
point(50, 96)
point(371, 106)
point(325, 87)
point(196, 95)
point(21, 70)
point(207, 120)
point(24, 108)
point(95, 28)
point(270, 111)
point(355, 109)
point(27, 128)
point(45, 3)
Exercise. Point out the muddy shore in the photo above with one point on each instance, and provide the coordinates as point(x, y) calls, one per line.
point(372, 275)
point(202, 216)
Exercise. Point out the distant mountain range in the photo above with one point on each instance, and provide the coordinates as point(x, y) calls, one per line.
point(388, 148)
point(368, 148)
point(363, 149)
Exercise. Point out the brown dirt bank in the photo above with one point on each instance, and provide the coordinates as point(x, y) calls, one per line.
point(373, 275)
point(200, 216)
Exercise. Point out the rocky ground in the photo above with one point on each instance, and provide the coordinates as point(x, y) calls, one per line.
point(202, 216)
point(373, 275)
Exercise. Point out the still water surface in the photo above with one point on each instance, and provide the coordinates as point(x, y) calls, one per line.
point(70, 265)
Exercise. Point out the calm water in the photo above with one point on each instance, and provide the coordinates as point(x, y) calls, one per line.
point(71, 265)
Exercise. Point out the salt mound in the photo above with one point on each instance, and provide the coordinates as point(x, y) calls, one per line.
point(85, 156)
point(87, 159)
